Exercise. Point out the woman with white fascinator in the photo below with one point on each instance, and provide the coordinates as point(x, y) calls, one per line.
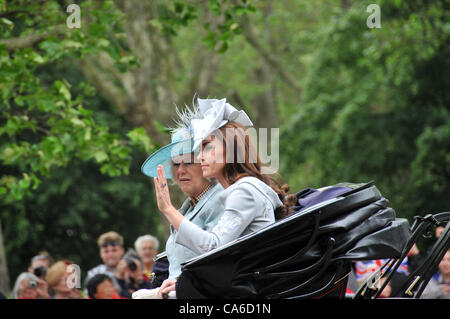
point(252, 200)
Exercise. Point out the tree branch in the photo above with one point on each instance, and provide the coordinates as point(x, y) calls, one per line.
point(106, 87)
point(30, 40)
point(204, 66)
point(24, 42)
point(266, 55)
point(10, 13)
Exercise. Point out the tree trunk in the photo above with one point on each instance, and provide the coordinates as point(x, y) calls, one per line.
point(265, 108)
point(144, 94)
point(4, 277)
point(264, 105)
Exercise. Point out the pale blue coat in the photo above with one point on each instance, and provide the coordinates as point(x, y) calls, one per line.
point(205, 216)
point(248, 204)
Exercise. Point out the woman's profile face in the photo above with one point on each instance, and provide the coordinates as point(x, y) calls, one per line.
point(212, 156)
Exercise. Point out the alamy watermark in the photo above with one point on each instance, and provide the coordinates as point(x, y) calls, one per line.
point(74, 19)
point(242, 145)
point(373, 20)
point(73, 279)
point(268, 155)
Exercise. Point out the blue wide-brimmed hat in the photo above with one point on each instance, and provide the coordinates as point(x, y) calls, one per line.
point(182, 143)
point(193, 126)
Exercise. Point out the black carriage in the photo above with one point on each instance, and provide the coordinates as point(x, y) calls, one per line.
point(310, 253)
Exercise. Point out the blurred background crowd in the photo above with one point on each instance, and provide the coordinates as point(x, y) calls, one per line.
point(122, 273)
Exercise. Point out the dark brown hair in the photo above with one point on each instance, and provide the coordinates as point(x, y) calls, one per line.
point(243, 160)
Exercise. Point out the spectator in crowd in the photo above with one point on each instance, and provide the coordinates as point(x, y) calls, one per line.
point(40, 263)
point(100, 286)
point(129, 274)
point(60, 285)
point(363, 269)
point(439, 287)
point(386, 293)
point(29, 286)
point(438, 231)
point(147, 248)
point(415, 257)
point(111, 251)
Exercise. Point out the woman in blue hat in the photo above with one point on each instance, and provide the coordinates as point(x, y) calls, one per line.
point(202, 206)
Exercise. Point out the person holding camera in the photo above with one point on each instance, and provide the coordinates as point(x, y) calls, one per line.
point(29, 286)
point(39, 264)
point(130, 276)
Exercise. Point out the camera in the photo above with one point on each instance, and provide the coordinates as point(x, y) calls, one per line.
point(131, 264)
point(32, 284)
point(40, 271)
point(131, 257)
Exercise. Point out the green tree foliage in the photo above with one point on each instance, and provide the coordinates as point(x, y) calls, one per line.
point(62, 146)
point(45, 122)
point(70, 162)
point(375, 106)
